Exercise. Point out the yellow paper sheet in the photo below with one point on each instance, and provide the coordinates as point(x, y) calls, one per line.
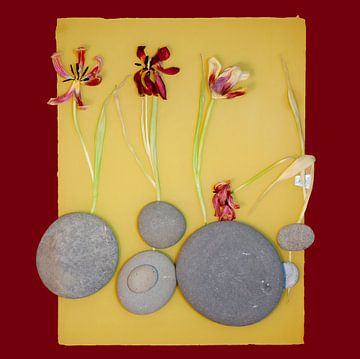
point(245, 135)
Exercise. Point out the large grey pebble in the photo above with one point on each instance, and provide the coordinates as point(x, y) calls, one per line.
point(230, 273)
point(77, 255)
point(161, 224)
point(296, 237)
point(146, 282)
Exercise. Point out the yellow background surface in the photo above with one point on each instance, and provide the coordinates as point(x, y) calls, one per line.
point(245, 135)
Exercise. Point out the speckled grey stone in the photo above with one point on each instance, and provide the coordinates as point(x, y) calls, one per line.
point(230, 273)
point(161, 225)
point(291, 274)
point(77, 255)
point(296, 237)
point(142, 278)
point(146, 282)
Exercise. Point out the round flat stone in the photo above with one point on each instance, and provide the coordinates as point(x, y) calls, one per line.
point(146, 282)
point(230, 273)
point(77, 255)
point(296, 237)
point(291, 274)
point(161, 225)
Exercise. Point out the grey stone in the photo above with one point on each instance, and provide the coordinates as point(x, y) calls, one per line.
point(146, 282)
point(291, 274)
point(77, 255)
point(230, 273)
point(142, 278)
point(161, 225)
point(296, 237)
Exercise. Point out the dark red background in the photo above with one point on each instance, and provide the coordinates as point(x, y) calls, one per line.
point(29, 183)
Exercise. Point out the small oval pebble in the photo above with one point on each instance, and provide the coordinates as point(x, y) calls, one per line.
point(295, 237)
point(291, 274)
point(142, 278)
point(146, 282)
point(161, 225)
point(77, 255)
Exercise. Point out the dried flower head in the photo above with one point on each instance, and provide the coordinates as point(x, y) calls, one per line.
point(148, 79)
point(224, 84)
point(223, 202)
point(80, 74)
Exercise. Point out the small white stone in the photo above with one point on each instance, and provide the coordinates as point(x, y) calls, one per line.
point(291, 274)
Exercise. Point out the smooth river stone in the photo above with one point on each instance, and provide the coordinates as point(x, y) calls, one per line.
point(230, 273)
point(77, 255)
point(296, 237)
point(142, 278)
point(291, 274)
point(146, 282)
point(161, 225)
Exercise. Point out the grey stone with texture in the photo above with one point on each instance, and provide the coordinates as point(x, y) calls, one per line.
point(161, 225)
point(230, 273)
point(77, 255)
point(296, 237)
point(146, 282)
point(142, 278)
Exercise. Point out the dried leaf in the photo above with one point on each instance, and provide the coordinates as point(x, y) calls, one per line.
point(299, 165)
point(125, 134)
point(99, 145)
point(308, 193)
point(294, 107)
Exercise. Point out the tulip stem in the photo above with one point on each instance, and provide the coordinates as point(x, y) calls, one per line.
point(153, 146)
point(99, 146)
point(196, 146)
point(125, 133)
point(145, 125)
point(262, 173)
point(203, 133)
point(77, 128)
point(297, 118)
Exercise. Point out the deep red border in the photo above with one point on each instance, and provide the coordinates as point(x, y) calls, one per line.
point(29, 318)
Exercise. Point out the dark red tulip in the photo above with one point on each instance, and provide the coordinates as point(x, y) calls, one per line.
point(148, 79)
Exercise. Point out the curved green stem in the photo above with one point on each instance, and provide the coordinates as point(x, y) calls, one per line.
point(126, 137)
point(99, 145)
point(294, 108)
point(198, 153)
point(196, 143)
point(77, 128)
point(201, 197)
point(145, 125)
point(203, 133)
point(262, 173)
point(298, 122)
point(153, 146)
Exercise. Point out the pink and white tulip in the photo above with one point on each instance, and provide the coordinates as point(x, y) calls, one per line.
point(224, 84)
